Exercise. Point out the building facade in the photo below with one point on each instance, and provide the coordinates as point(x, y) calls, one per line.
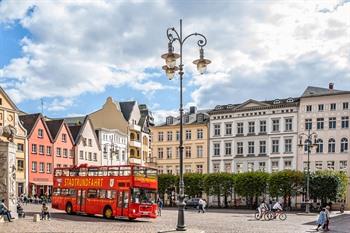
point(254, 135)
point(9, 117)
point(40, 155)
point(86, 144)
point(112, 132)
point(325, 112)
point(165, 143)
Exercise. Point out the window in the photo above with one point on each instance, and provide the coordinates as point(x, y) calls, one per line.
point(48, 168)
point(288, 124)
point(262, 126)
point(169, 120)
point(177, 152)
point(64, 137)
point(345, 105)
point(262, 166)
point(41, 149)
point(320, 107)
point(318, 165)
point(169, 153)
point(169, 170)
point(345, 122)
point(90, 142)
point(251, 127)
point(274, 166)
point(262, 147)
point(216, 130)
point(170, 135)
point(308, 124)
point(228, 128)
point(250, 148)
point(319, 147)
point(240, 128)
point(308, 108)
point(239, 167)
point(275, 125)
point(65, 153)
point(344, 145)
point(90, 156)
point(188, 152)
point(58, 151)
point(275, 146)
point(331, 145)
point(199, 169)
point(81, 154)
point(228, 146)
point(228, 167)
point(343, 164)
point(288, 145)
point(188, 169)
point(160, 153)
point(250, 166)
point(199, 133)
point(332, 122)
point(333, 107)
point(40, 133)
point(199, 151)
point(188, 134)
point(160, 136)
point(41, 167)
point(95, 156)
point(330, 165)
point(287, 164)
point(20, 147)
point(239, 148)
point(34, 148)
point(34, 168)
point(20, 165)
point(48, 150)
point(177, 135)
point(320, 123)
point(216, 167)
point(216, 149)
point(160, 169)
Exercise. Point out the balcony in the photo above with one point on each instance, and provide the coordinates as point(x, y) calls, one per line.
point(135, 143)
point(135, 127)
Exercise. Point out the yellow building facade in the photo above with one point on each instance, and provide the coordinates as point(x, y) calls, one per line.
point(9, 116)
point(165, 144)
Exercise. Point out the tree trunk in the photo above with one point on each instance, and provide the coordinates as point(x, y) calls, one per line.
point(219, 194)
point(225, 200)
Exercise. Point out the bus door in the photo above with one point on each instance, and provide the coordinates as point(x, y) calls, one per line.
point(122, 202)
point(81, 198)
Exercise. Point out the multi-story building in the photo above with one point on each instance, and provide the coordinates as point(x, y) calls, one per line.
point(165, 143)
point(40, 154)
point(139, 133)
point(254, 135)
point(147, 121)
point(63, 143)
point(112, 132)
point(326, 112)
point(86, 145)
point(9, 116)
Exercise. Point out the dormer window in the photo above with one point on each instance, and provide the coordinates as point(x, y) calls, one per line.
point(277, 101)
point(290, 100)
point(64, 137)
point(40, 133)
point(187, 118)
point(218, 107)
point(169, 120)
point(200, 117)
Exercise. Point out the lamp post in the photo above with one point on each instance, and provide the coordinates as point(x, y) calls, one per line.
point(308, 144)
point(170, 69)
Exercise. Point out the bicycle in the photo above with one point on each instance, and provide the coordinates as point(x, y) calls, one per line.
point(279, 213)
point(264, 214)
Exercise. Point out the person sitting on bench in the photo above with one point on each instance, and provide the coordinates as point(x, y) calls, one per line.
point(5, 211)
point(45, 212)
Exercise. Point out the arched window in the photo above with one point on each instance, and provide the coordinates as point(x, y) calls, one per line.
point(319, 148)
point(344, 145)
point(331, 145)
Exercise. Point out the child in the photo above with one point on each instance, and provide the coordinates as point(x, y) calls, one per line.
point(321, 218)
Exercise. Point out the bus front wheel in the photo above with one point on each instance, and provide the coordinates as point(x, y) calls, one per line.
point(69, 208)
point(107, 213)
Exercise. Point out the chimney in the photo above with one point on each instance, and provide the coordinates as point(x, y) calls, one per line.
point(330, 86)
point(193, 109)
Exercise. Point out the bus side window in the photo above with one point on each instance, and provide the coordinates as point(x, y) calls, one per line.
point(71, 192)
point(102, 194)
point(92, 193)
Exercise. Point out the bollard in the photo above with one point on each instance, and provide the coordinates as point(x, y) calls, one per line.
point(36, 218)
point(2, 218)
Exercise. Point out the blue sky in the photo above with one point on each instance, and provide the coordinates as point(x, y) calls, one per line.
point(74, 54)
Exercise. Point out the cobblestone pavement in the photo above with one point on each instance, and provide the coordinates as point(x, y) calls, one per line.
point(211, 222)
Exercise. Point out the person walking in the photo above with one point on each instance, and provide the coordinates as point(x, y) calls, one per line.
point(321, 219)
point(201, 204)
point(160, 206)
point(326, 225)
point(5, 211)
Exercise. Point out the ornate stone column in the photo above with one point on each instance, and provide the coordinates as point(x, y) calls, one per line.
point(8, 189)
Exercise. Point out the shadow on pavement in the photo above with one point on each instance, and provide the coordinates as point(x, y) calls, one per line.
point(333, 218)
point(84, 218)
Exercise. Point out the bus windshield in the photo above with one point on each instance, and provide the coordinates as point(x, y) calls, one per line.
point(143, 196)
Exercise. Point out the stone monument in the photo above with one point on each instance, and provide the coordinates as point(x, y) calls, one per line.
point(8, 189)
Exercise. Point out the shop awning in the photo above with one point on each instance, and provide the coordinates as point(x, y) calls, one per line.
point(45, 183)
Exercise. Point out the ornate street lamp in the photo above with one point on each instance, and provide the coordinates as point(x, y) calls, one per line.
point(170, 69)
point(308, 144)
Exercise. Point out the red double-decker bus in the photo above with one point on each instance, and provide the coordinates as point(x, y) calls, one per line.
point(127, 191)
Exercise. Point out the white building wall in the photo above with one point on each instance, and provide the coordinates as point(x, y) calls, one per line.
point(114, 149)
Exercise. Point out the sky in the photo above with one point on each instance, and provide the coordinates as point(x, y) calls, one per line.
point(72, 55)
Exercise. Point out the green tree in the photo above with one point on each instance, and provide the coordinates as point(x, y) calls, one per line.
point(194, 184)
point(251, 185)
point(324, 185)
point(166, 184)
point(212, 185)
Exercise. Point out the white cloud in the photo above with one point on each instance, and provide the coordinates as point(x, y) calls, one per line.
point(259, 49)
